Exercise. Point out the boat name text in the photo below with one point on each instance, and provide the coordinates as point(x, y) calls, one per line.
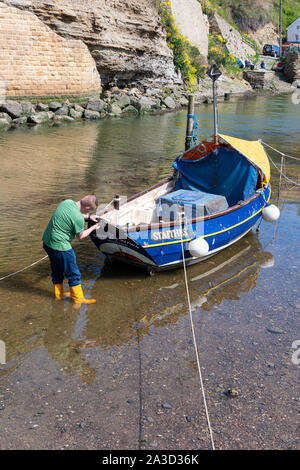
point(170, 234)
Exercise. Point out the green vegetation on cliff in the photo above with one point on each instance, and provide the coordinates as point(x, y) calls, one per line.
point(187, 58)
point(254, 14)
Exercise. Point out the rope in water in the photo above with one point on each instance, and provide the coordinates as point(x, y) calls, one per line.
point(196, 349)
point(23, 269)
point(39, 260)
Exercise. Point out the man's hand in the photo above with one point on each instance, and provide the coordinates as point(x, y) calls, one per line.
point(85, 233)
point(94, 218)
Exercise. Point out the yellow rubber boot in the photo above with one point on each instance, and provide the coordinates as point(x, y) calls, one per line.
point(59, 291)
point(78, 297)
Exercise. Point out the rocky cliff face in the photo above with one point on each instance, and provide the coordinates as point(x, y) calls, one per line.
point(234, 44)
point(124, 37)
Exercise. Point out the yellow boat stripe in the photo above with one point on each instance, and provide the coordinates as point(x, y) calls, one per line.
point(204, 236)
point(236, 225)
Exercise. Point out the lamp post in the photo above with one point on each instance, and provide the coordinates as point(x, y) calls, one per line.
point(214, 73)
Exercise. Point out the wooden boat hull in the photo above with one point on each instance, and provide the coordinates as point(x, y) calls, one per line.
point(159, 247)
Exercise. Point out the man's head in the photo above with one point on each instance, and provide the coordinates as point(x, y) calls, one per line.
point(88, 204)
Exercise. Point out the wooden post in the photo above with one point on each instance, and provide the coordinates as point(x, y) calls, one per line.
point(117, 202)
point(190, 123)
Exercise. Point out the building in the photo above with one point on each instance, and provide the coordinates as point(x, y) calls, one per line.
point(293, 31)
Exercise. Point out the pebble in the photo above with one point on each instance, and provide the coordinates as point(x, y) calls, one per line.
point(232, 393)
point(166, 406)
point(80, 425)
point(270, 365)
point(275, 330)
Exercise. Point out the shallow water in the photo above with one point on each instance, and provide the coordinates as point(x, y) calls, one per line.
point(101, 376)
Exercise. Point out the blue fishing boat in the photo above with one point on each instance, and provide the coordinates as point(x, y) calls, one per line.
point(218, 191)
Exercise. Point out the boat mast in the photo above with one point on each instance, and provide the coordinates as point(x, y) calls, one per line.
point(214, 73)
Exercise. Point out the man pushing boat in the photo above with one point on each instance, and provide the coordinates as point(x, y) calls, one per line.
point(66, 223)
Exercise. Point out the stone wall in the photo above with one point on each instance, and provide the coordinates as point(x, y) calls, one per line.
point(292, 67)
point(259, 78)
point(35, 61)
point(125, 38)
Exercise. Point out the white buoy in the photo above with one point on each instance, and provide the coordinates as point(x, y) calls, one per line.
point(267, 260)
point(198, 248)
point(271, 213)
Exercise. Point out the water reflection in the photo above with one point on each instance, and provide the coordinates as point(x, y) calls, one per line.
point(161, 301)
point(60, 344)
point(133, 303)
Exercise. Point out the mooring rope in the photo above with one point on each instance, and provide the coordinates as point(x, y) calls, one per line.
point(278, 151)
point(195, 344)
point(39, 260)
point(283, 155)
point(23, 269)
point(195, 128)
point(295, 183)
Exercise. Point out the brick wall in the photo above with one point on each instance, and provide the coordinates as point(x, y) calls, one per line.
point(35, 61)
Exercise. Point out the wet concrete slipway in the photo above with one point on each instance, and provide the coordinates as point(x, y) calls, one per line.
point(122, 374)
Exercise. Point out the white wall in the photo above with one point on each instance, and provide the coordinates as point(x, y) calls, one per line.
point(293, 31)
point(190, 22)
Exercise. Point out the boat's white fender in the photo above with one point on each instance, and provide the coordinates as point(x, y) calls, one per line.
point(198, 247)
point(268, 261)
point(271, 213)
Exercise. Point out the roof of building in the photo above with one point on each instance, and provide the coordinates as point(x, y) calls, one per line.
point(293, 22)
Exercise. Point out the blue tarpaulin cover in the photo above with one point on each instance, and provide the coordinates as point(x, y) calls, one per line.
point(195, 203)
point(224, 171)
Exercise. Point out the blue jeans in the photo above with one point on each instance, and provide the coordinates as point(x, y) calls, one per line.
point(63, 264)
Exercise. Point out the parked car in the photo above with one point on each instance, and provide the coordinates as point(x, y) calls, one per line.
point(278, 67)
point(272, 50)
point(240, 63)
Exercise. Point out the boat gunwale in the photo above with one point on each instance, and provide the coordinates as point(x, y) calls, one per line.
point(163, 224)
point(158, 225)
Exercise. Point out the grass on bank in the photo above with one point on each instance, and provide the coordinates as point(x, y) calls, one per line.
point(188, 59)
point(254, 14)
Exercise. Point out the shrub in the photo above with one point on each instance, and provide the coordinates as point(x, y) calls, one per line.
point(219, 54)
point(187, 58)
